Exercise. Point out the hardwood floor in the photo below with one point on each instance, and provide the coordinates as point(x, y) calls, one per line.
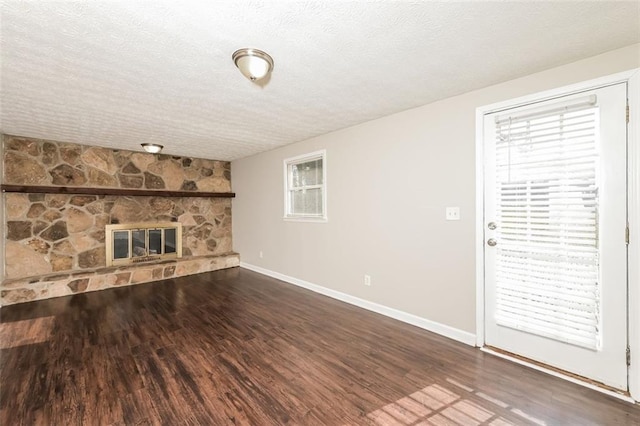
point(236, 347)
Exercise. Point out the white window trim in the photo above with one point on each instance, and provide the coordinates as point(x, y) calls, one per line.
point(301, 159)
point(632, 77)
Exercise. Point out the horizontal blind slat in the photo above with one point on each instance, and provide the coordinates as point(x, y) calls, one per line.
point(547, 262)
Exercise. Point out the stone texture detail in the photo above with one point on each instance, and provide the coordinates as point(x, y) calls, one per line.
point(19, 295)
point(189, 185)
point(75, 228)
point(22, 261)
point(64, 247)
point(171, 171)
point(123, 278)
point(169, 271)
point(38, 227)
point(66, 175)
point(156, 274)
point(152, 181)
point(39, 162)
point(78, 220)
point(70, 154)
point(93, 258)
point(26, 145)
point(57, 285)
point(16, 205)
point(63, 234)
point(18, 230)
point(39, 246)
point(28, 170)
point(102, 179)
point(52, 215)
point(130, 181)
point(81, 242)
point(130, 168)
point(78, 286)
point(55, 201)
point(100, 158)
point(55, 232)
point(142, 276)
point(81, 200)
point(36, 210)
point(49, 153)
point(61, 262)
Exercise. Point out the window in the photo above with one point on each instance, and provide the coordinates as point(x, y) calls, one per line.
point(547, 186)
point(305, 195)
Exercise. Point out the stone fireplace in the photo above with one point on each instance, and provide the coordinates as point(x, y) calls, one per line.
point(55, 239)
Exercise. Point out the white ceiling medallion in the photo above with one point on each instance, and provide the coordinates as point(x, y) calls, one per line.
point(253, 63)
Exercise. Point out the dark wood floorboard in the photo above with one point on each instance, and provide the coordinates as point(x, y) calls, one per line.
point(236, 347)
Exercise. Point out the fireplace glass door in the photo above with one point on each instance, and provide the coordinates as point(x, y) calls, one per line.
point(134, 243)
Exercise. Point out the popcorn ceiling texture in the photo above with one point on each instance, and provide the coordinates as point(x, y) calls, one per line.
point(64, 234)
point(119, 73)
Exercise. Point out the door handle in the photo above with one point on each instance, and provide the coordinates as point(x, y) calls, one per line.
point(491, 242)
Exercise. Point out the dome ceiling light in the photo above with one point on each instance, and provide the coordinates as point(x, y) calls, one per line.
point(253, 63)
point(152, 148)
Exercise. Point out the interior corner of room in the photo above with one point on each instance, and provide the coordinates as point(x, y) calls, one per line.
point(472, 206)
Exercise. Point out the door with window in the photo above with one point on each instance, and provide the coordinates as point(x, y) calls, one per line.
point(555, 221)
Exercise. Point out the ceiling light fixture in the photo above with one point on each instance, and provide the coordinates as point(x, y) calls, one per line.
point(152, 148)
point(253, 63)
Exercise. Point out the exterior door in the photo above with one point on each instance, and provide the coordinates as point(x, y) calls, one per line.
point(555, 221)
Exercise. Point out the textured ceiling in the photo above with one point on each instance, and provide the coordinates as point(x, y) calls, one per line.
point(119, 73)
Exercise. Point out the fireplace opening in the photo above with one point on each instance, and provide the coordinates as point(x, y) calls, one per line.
point(142, 242)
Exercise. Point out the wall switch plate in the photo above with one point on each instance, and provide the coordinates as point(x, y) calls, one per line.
point(367, 280)
point(261, 255)
point(453, 213)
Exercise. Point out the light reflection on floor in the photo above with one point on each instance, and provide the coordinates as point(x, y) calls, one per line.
point(26, 332)
point(445, 406)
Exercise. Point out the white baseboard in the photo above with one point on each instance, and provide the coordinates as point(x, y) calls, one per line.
point(435, 327)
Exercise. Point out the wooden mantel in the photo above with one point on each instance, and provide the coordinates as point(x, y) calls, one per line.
point(112, 191)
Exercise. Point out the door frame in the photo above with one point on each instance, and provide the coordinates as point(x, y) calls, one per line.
point(632, 78)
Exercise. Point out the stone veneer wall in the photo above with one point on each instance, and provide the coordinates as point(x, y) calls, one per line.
point(51, 239)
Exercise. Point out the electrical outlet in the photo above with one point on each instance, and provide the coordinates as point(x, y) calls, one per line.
point(453, 213)
point(261, 256)
point(367, 280)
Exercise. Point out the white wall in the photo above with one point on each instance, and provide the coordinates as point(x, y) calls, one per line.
point(389, 181)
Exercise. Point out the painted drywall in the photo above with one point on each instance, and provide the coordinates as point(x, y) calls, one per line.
point(389, 182)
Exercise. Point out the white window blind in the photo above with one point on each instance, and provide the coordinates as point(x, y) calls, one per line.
point(305, 193)
point(547, 266)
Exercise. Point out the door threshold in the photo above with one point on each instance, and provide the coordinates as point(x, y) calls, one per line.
point(560, 374)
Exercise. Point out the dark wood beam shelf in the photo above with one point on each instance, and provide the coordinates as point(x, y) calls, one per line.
point(112, 191)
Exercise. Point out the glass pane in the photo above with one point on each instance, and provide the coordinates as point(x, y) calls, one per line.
point(120, 244)
point(307, 202)
point(169, 240)
point(548, 262)
point(138, 243)
point(309, 173)
point(155, 241)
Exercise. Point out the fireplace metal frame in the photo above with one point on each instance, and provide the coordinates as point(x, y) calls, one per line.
point(144, 226)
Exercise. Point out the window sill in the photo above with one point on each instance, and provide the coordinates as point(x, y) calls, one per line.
point(305, 219)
